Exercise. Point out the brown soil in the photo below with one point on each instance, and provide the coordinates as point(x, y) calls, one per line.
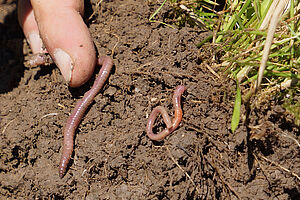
point(113, 158)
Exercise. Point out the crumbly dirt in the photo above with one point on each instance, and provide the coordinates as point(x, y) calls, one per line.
point(113, 158)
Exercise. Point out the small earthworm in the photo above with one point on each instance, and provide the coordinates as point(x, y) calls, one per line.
point(78, 112)
point(171, 126)
point(39, 59)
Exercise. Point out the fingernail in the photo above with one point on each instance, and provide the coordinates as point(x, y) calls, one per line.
point(64, 63)
point(35, 42)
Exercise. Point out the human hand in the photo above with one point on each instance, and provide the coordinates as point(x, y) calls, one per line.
point(59, 26)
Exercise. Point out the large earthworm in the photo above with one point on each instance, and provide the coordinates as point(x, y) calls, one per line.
point(79, 110)
point(170, 126)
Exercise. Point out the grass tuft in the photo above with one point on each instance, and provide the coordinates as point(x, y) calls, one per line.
point(260, 40)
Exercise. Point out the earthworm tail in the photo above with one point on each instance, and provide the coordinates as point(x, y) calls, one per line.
point(79, 110)
point(170, 126)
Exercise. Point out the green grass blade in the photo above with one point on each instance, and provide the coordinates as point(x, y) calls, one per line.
point(234, 19)
point(155, 13)
point(236, 110)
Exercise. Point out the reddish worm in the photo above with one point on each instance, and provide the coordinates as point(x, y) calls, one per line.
point(170, 126)
point(78, 112)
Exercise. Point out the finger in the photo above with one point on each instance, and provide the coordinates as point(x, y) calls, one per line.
point(66, 38)
point(29, 26)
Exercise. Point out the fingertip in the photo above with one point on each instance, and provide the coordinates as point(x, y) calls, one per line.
point(35, 42)
point(30, 28)
point(82, 71)
point(67, 39)
point(64, 62)
point(76, 70)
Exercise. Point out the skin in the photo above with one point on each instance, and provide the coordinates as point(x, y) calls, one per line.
point(78, 112)
point(170, 126)
point(59, 24)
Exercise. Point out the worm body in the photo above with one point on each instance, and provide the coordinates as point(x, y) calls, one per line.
point(170, 126)
point(78, 112)
point(39, 59)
